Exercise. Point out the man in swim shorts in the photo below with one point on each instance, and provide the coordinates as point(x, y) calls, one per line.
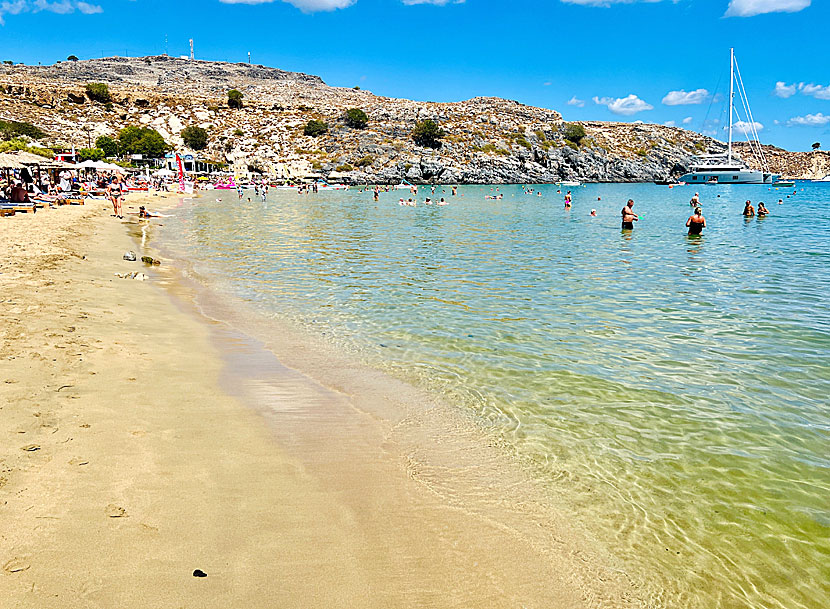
point(628, 216)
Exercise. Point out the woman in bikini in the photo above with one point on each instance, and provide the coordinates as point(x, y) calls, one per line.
point(114, 191)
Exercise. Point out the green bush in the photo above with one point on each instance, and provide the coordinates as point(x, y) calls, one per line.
point(98, 91)
point(8, 63)
point(641, 152)
point(574, 133)
point(22, 144)
point(234, 99)
point(91, 154)
point(142, 140)
point(428, 134)
point(195, 137)
point(71, 58)
point(315, 128)
point(344, 168)
point(571, 144)
point(107, 145)
point(521, 141)
point(12, 129)
point(365, 161)
point(238, 132)
point(356, 118)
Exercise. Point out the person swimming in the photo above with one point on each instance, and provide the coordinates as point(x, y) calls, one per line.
point(696, 223)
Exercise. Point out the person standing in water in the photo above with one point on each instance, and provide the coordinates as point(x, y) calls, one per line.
point(762, 209)
point(628, 216)
point(696, 223)
point(695, 202)
point(749, 211)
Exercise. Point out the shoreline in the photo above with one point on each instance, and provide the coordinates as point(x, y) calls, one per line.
point(162, 438)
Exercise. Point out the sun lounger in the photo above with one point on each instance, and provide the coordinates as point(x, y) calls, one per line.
point(23, 208)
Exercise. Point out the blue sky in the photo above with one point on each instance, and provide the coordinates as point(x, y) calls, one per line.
point(656, 61)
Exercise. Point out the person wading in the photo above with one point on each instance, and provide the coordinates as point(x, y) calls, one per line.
point(696, 223)
point(628, 216)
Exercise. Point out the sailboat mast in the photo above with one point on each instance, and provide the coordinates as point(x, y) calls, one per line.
point(731, 98)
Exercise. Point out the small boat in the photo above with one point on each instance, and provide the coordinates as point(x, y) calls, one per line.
point(784, 183)
point(569, 183)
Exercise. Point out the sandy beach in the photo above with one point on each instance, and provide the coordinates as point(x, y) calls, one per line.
point(147, 434)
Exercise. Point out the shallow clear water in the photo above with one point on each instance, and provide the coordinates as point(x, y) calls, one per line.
point(673, 390)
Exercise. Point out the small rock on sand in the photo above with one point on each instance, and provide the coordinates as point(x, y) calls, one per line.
point(114, 511)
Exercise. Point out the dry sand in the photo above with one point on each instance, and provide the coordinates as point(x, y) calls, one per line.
point(143, 439)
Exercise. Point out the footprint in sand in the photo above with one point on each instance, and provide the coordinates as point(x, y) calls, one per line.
point(30, 448)
point(78, 461)
point(16, 565)
point(114, 511)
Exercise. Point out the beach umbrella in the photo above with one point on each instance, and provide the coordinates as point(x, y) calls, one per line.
point(10, 161)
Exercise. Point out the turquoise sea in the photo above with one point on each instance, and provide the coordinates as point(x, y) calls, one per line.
point(673, 390)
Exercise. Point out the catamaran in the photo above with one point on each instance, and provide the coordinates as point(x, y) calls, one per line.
point(728, 168)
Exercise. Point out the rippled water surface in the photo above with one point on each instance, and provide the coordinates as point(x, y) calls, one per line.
point(673, 390)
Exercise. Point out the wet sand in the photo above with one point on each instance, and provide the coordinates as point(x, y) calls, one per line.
point(147, 434)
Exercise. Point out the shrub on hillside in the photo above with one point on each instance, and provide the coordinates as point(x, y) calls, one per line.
point(574, 133)
point(427, 133)
point(315, 128)
point(356, 118)
point(98, 91)
point(235, 99)
point(195, 137)
point(12, 129)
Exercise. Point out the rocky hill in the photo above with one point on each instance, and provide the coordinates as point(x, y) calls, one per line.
point(488, 140)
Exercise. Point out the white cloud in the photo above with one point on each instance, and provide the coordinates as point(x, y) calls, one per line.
point(89, 9)
point(61, 7)
point(687, 120)
point(817, 91)
point(784, 90)
point(307, 6)
point(750, 8)
point(625, 106)
point(746, 127)
point(670, 124)
point(811, 120)
point(681, 98)
point(574, 101)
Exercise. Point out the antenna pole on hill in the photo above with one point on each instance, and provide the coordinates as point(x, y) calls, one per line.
point(191, 49)
point(249, 57)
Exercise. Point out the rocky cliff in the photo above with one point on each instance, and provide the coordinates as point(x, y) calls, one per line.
point(488, 140)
